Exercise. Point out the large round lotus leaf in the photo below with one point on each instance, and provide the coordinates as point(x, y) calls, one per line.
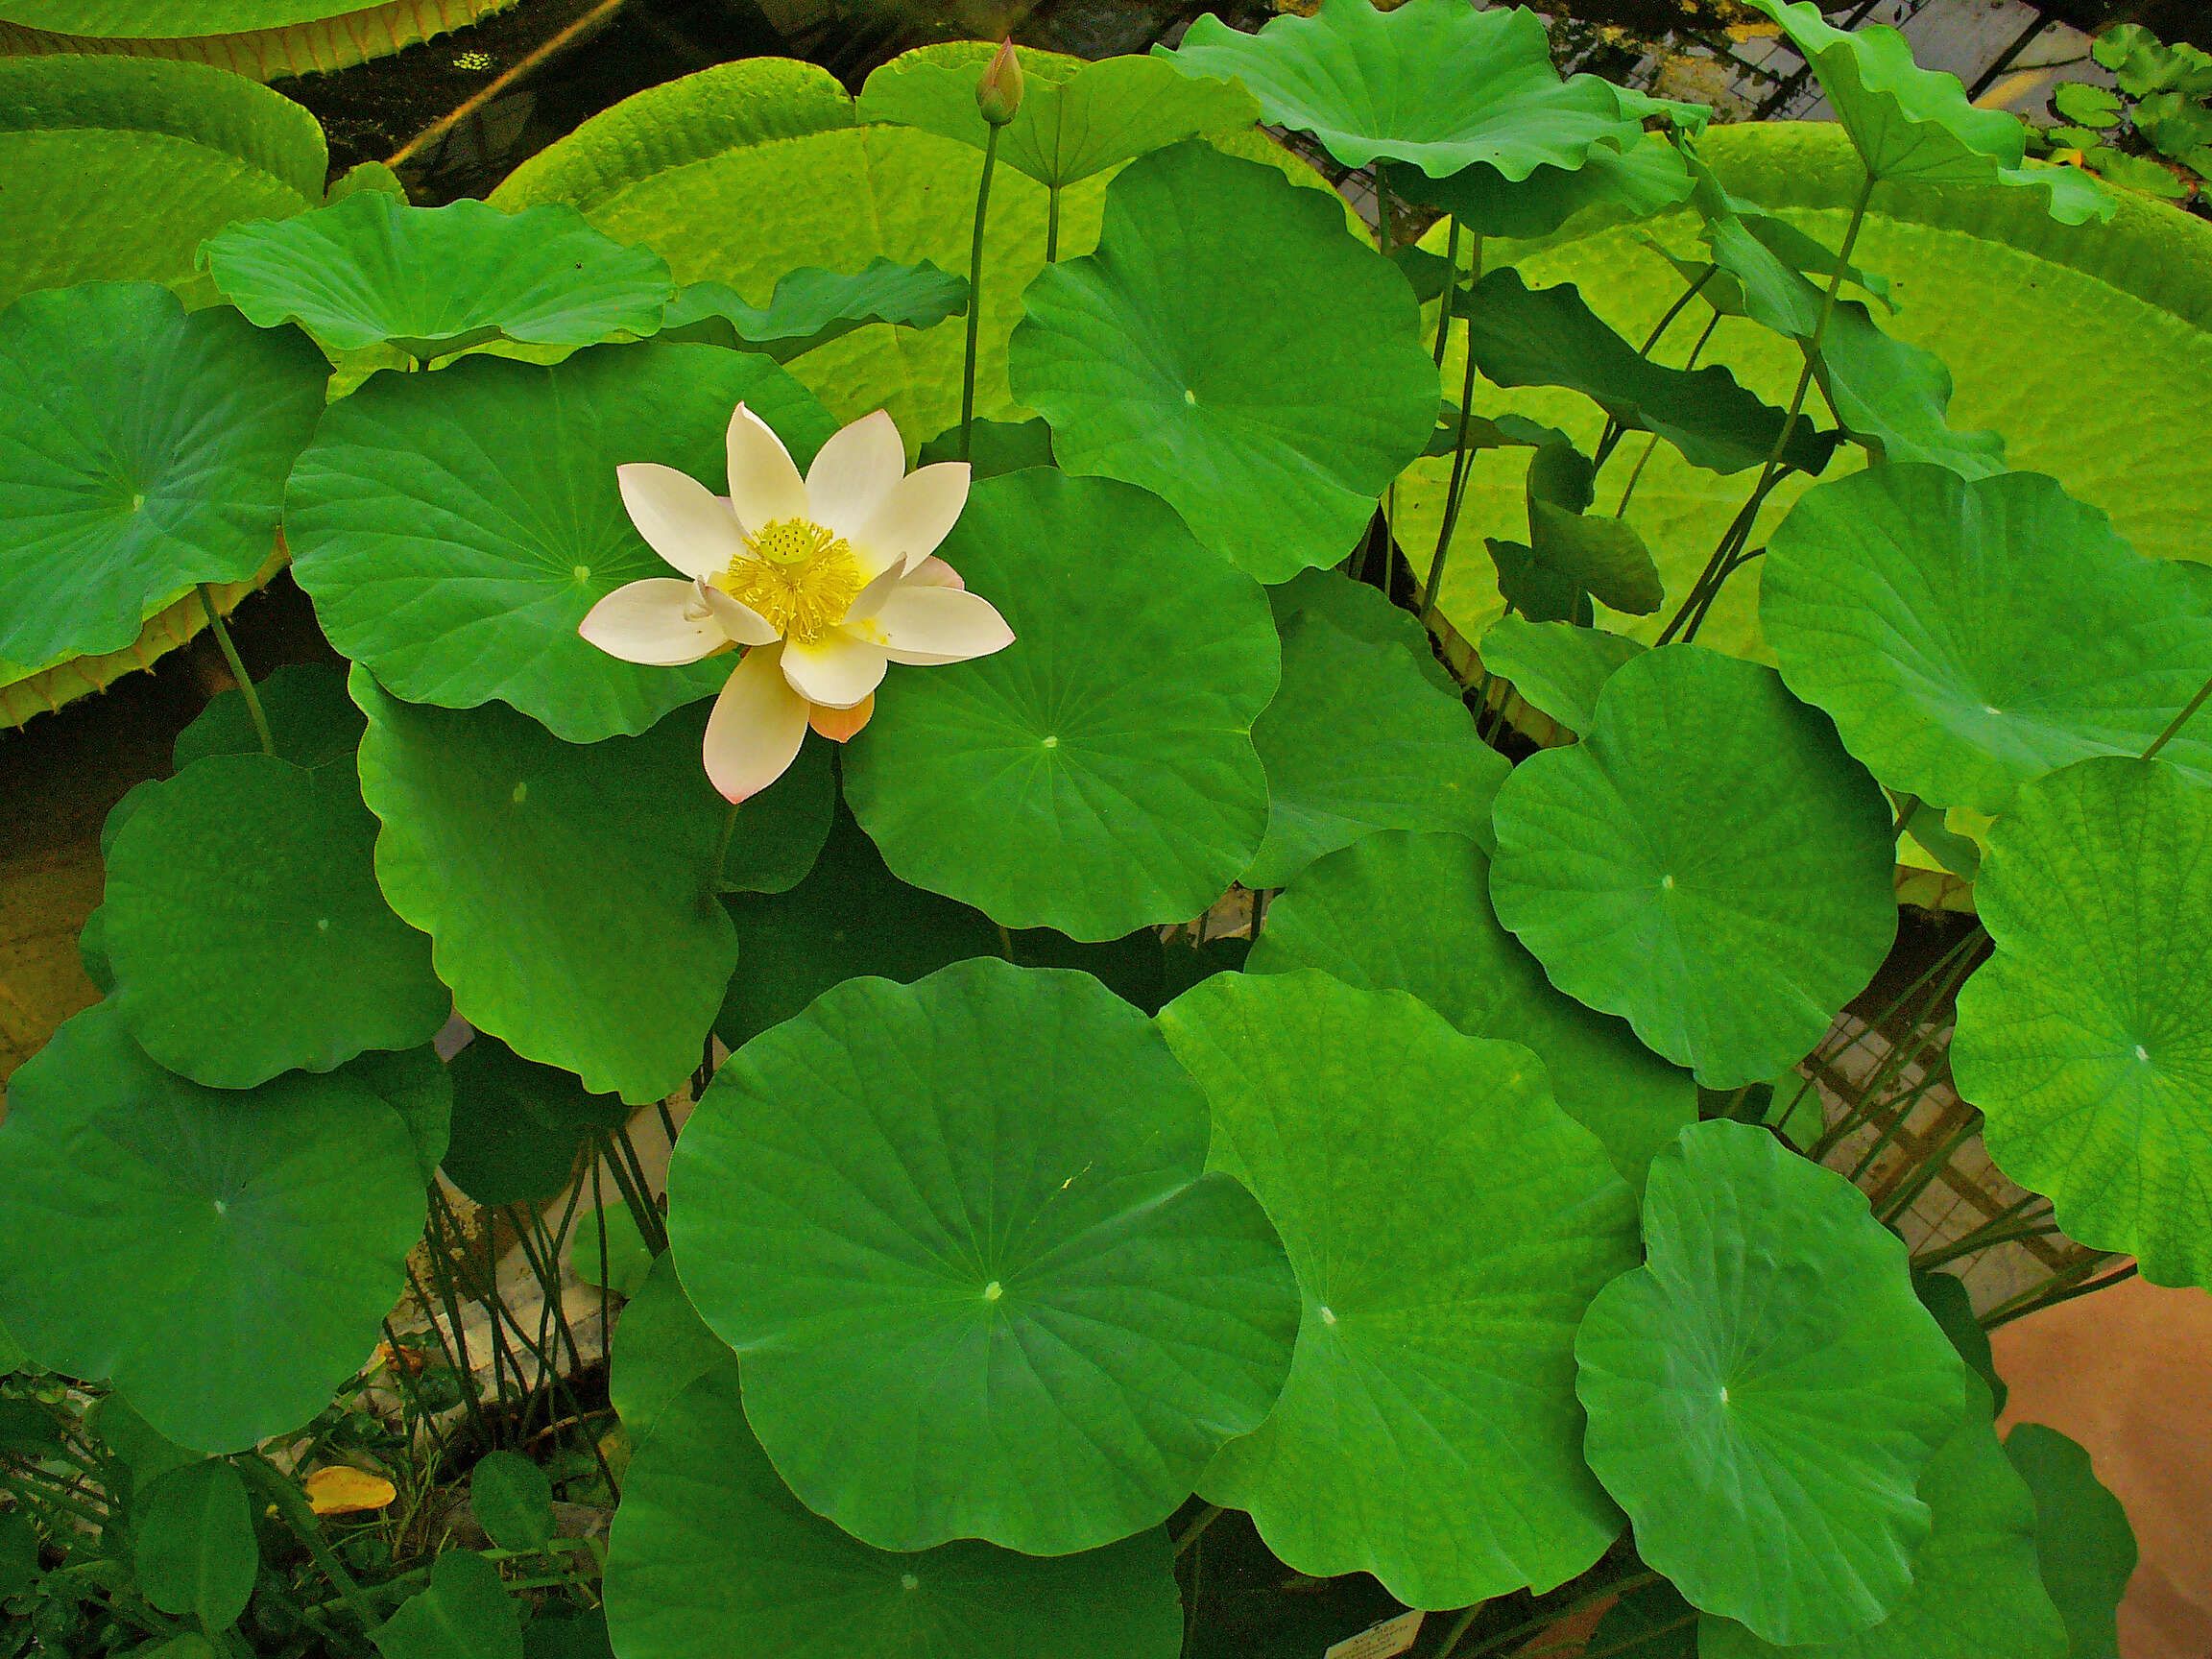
point(962, 1236)
point(1075, 118)
point(1433, 82)
point(1447, 1225)
point(311, 722)
point(1968, 636)
point(1358, 741)
point(2120, 315)
point(1280, 382)
point(1412, 912)
point(662, 1347)
point(769, 147)
point(246, 930)
point(518, 1126)
point(1708, 863)
point(413, 1083)
point(1098, 774)
point(116, 168)
point(165, 19)
point(221, 1257)
point(1766, 1391)
point(1977, 1583)
point(329, 35)
point(712, 1559)
point(1363, 611)
point(370, 270)
point(454, 528)
point(147, 451)
point(2082, 1537)
point(2087, 1037)
point(565, 889)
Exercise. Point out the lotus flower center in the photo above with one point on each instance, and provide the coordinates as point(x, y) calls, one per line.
point(798, 575)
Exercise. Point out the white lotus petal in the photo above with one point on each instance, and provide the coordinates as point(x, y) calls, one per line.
point(935, 572)
point(682, 519)
point(854, 472)
point(653, 621)
point(917, 515)
point(738, 621)
point(927, 625)
point(757, 725)
point(870, 599)
point(764, 486)
point(837, 671)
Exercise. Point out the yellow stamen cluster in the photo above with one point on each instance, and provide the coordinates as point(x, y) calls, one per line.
point(799, 576)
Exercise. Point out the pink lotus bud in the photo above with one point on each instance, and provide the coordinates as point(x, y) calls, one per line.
point(998, 94)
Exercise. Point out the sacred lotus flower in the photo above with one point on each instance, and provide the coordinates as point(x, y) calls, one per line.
point(825, 579)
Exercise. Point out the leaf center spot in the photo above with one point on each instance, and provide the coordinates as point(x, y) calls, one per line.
point(322, 924)
point(2142, 1053)
point(1190, 398)
point(582, 575)
point(1051, 742)
point(138, 501)
point(521, 793)
point(994, 1291)
point(222, 1206)
point(1992, 709)
point(1667, 883)
point(1723, 1393)
point(908, 1582)
point(1327, 1316)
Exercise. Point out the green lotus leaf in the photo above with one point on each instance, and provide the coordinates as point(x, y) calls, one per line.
point(2081, 1535)
point(145, 1454)
point(993, 446)
point(1894, 398)
point(192, 1543)
point(712, 1555)
point(1076, 119)
point(975, 1296)
point(1282, 383)
point(1726, 898)
point(564, 888)
point(1977, 1588)
point(1909, 123)
point(1596, 554)
point(2122, 315)
point(662, 1347)
point(1363, 611)
point(1557, 668)
point(222, 1256)
point(369, 270)
point(148, 450)
point(1355, 742)
point(465, 1613)
point(770, 146)
point(1407, 912)
point(849, 917)
point(1967, 637)
point(513, 1501)
point(2086, 1040)
point(1551, 337)
point(607, 1249)
point(246, 931)
point(311, 721)
point(811, 308)
point(776, 836)
point(1945, 1297)
point(1644, 176)
point(1432, 83)
point(518, 1126)
point(1766, 1392)
point(413, 1083)
point(1651, 1621)
point(165, 19)
point(1447, 1225)
point(117, 167)
point(454, 528)
point(1069, 780)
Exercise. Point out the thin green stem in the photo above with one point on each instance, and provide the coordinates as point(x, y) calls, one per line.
point(2063, 1288)
point(1192, 1534)
point(441, 1268)
point(1052, 225)
point(975, 292)
point(292, 1505)
point(237, 670)
point(1505, 1638)
point(638, 1193)
point(1459, 451)
point(1998, 1229)
point(1451, 285)
point(2178, 721)
point(1651, 443)
point(1929, 1166)
point(2042, 1229)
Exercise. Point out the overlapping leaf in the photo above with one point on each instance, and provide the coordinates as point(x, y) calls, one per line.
point(2087, 1037)
point(1967, 637)
point(976, 1295)
point(1277, 383)
point(1448, 1224)
point(2082, 1536)
point(811, 308)
point(1766, 1392)
point(1558, 668)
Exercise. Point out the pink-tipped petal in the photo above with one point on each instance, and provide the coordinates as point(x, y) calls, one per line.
point(739, 621)
point(657, 621)
point(682, 519)
point(842, 724)
point(837, 671)
point(935, 572)
point(854, 472)
point(928, 625)
point(764, 486)
point(757, 725)
point(917, 515)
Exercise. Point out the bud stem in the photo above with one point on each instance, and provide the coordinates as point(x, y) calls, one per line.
point(976, 292)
